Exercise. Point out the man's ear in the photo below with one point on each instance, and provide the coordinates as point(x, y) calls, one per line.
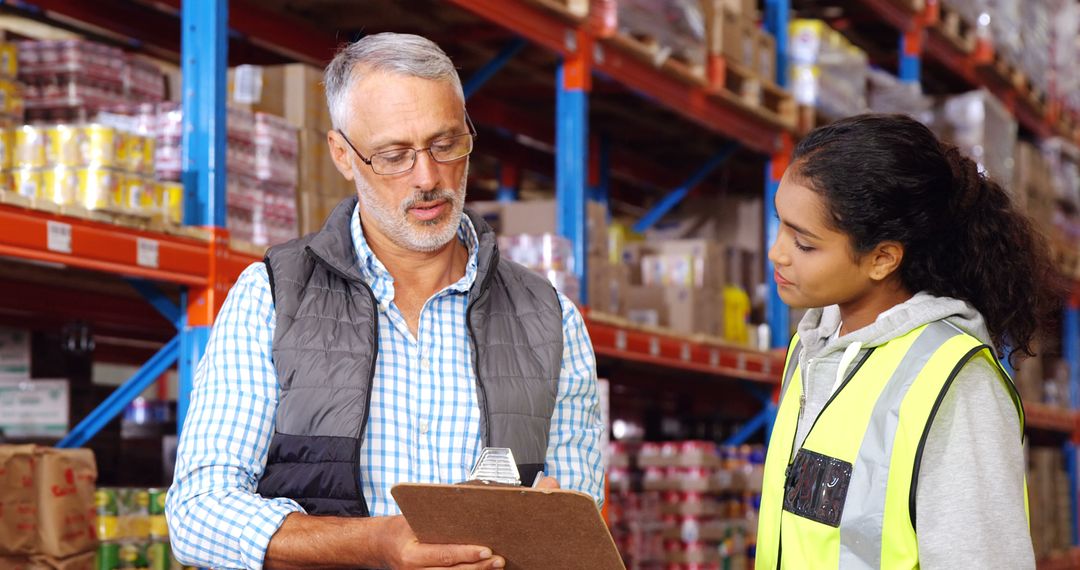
point(340, 153)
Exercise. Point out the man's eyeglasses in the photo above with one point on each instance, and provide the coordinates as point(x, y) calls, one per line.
point(399, 160)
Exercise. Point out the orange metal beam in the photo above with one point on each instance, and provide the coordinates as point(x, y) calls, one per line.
point(43, 236)
point(681, 354)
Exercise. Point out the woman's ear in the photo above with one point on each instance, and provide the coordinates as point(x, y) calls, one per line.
point(884, 260)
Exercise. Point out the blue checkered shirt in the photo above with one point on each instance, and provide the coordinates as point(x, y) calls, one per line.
point(423, 425)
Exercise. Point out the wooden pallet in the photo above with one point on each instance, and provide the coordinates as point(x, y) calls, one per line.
point(651, 52)
point(572, 10)
point(737, 83)
point(956, 30)
point(247, 247)
point(121, 218)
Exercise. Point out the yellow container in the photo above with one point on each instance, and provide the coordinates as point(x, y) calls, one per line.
point(27, 182)
point(132, 149)
point(170, 199)
point(149, 150)
point(98, 187)
point(64, 145)
point(60, 185)
point(7, 149)
point(101, 146)
point(139, 193)
point(7, 182)
point(29, 147)
point(9, 59)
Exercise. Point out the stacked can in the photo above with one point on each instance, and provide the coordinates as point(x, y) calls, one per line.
point(94, 166)
point(132, 527)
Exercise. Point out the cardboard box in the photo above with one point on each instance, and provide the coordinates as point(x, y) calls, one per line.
point(536, 217)
point(691, 310)
point(56, 517)
point(705, 256)
point(294, 91)
point(18, 503)
point(765, 55)
point(35, 408)
point(14, 354)
point(84, 561)
point(646, 305)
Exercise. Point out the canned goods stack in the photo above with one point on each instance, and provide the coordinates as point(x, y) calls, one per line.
point(12, 100)
point(70, 80)
point(686, 504)
point(132, 530)
point(276, 168)
point(94, 166)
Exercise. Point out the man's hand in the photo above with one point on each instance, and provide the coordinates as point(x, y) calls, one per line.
point(402, 551)
point(548, 483)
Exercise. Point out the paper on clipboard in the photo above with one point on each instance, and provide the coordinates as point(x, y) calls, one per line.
point(532, 529)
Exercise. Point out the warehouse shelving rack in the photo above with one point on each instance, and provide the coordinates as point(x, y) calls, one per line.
point(201, 260)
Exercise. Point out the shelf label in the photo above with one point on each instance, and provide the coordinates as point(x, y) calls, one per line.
point(654, 346)
point(714, 358)
point(146, 252)
point(59, 237)
point(620, 340)
point(684, 353)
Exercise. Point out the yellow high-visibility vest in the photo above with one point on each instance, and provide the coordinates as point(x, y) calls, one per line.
point(846, 498)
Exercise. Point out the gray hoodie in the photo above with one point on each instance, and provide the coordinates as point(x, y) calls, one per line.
point(970, 496)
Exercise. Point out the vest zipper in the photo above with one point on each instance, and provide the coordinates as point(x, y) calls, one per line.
point(371, 374)
point(485, 409)
point(795, 436)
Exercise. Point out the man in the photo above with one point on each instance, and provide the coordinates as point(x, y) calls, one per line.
point(391, 346)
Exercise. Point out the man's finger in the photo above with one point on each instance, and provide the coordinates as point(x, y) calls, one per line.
point(450, 555)
point(548, 483)
point(493, 563)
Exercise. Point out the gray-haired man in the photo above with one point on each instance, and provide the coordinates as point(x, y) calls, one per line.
point(391, 346)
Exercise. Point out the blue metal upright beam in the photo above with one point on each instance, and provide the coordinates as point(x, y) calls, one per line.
point(1071, 351)
point(601, 191)
point(677, 195)
point(910, 64)
point(571, 165)
point(203, 45)
point(204, 64)
point(777, 15)
point(122, 396)
point(777, 315)
point(492, 67)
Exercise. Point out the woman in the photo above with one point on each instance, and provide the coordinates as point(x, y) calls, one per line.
point(899, 439)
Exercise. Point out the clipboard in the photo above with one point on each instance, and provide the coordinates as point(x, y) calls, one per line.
point(533, 529)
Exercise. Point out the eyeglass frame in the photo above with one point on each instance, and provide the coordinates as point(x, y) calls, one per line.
point(472, 133)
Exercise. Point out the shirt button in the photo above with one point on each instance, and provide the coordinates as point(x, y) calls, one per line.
point(383, 307)
point(424, 426)
point(425, 363)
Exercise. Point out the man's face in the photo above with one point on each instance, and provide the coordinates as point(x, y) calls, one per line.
point(419, 210)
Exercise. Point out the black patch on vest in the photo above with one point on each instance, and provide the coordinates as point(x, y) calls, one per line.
point(816, 487)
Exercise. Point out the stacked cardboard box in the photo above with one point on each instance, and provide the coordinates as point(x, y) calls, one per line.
point(534, 222)
point(982, 127)
point(1048, 495)
point(295, 92)
point(47, 514)
point(689, 276)
point(826, 70)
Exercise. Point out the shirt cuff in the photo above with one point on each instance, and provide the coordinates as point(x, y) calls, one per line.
point(261, 527)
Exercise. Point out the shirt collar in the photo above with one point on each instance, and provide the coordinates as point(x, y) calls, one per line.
point(375, 274)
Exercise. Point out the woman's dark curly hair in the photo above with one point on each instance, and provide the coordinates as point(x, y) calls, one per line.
point(888, 178)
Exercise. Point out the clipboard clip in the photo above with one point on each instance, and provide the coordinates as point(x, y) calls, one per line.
point(496, 466)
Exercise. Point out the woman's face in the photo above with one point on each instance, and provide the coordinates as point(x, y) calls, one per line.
point(815, 264)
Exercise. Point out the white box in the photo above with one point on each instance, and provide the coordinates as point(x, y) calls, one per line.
point(35, 408)
point(14, 354)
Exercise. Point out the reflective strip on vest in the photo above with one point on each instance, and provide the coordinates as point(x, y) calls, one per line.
point(906, 380)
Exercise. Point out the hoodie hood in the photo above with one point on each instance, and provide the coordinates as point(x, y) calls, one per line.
point(818, 325)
